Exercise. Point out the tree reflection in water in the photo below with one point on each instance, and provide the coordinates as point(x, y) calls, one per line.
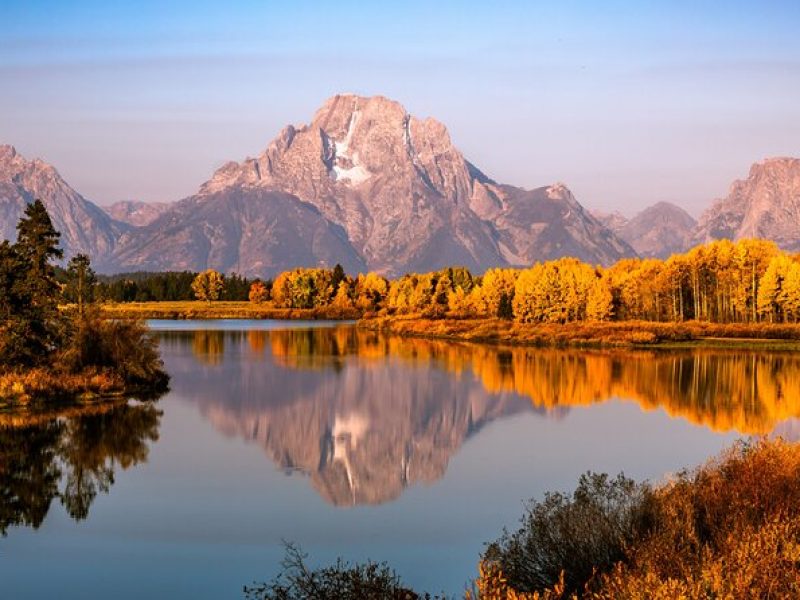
point(367, 415)
point(69, 456)
point(747, 391)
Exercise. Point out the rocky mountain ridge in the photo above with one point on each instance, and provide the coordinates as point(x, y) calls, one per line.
point(764, 205)
point(368, 185)
point(84, 227)
point(135, 212)
point(658, 231)
point(407, 198)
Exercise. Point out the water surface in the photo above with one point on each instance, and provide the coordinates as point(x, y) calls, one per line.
point(352, 444)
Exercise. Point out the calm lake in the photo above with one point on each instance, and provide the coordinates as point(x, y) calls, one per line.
point(351, 444)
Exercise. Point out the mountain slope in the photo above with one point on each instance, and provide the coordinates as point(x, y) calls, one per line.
point(252, 232)
point(548, 223)
point(659, 231)
point(135, 212)
point(84, 227)
point(765, 205)
point(406, 197)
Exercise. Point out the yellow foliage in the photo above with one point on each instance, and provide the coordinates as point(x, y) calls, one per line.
point(208, 285)
point(258, 293)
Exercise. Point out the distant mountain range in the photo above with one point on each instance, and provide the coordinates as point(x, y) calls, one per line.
point(657, 231)
point(369, 186)
point(136, 212)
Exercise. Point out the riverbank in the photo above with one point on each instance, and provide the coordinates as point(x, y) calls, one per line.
point(42, 386)
point(221, 310)
point(590, 334)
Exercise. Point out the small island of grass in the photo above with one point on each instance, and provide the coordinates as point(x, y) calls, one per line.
point(49, 354)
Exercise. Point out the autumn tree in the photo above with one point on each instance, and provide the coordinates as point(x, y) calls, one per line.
point(207, 286)
point(789, 297)
point(370, 291)
point(258, 292)
point(495, 294)
point(600, 301)
point(343, 298)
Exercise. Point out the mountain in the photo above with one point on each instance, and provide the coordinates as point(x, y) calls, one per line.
point(84, 227)
point(134, 212)
point(658, 231)
point(257, 232)
point(765, 205)
point(613, 220)
point(381, 189)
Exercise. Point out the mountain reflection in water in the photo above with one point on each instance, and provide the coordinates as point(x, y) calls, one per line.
point(365, 415)
point(69, 455)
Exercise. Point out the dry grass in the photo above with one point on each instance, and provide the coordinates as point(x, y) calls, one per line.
point(587, 333)
point(219, 310)
point(20, 388)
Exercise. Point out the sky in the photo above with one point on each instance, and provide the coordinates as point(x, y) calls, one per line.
point(628, 103)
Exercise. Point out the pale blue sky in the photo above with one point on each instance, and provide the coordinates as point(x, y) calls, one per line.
point(628, 103)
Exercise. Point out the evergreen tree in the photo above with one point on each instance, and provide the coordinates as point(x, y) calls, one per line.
point(81, 282)
point(337, 277)
point(37, 244)
point(32, 326)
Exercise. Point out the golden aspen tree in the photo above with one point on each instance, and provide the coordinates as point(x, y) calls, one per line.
point(207, 286)
point(258, 293)
point(600, 302)
point(790, 292)
point(342, 299)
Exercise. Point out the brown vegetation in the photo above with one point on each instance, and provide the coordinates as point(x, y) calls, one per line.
point(729, 529)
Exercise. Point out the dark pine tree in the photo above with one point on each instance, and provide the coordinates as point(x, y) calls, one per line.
point(31, 321)
point(80, 282)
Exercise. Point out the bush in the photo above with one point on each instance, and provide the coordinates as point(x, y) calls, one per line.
point(341, 581)
point(729, 529)
point(566, 540)
point(125, 348)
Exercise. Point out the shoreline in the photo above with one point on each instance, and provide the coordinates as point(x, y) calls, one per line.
point(583, 334)
point(189, 309)
point(42, 387)
point(613, 334)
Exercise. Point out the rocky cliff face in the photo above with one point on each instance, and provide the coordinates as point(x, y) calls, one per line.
point(765, 205)
point(405, 197)
point(83, 226)
point(658, 231)
point(135, 212)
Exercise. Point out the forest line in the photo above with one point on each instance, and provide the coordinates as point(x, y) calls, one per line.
point(748, 281)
